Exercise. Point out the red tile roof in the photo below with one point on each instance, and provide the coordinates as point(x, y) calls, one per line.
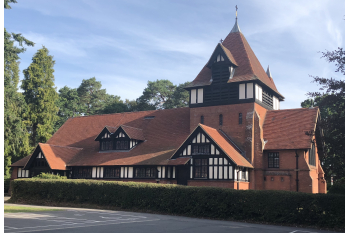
point(22, 162)
point(249, 67)
point(162, 134)
point(58, 156)
point(133, 133)
point(285, 129)
point(225, 145)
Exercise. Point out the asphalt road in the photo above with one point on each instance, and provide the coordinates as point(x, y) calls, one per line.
point(84, 220)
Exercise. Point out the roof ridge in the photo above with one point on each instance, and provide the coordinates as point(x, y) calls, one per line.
point(293, 109)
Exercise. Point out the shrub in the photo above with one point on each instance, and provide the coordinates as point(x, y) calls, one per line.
point(7, 183)
point(279, 207)
point(338, 187)
point(49, 176)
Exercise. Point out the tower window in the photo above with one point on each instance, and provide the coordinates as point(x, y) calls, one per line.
point(202, 119)
point(220, 119)
point(240, 118)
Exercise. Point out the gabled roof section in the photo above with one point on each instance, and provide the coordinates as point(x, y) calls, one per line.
point(22, 162)
point(290, 128)
point(164, 133)
point(225, 145)
point(226, 53)
point(133, 133)
point(56, 156)
point(249, 67)
point(106, 129)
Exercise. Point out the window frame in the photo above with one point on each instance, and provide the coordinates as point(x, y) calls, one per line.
point(273, 160)
point(312, 155)
point(200, 168)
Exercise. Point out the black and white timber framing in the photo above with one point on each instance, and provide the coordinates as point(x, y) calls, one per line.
point(208, 161)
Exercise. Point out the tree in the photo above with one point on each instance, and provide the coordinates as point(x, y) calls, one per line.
point(163, 94)
point(16, 140)
point(332, 107)
point(40, 96)
point(92, 97)
point(113, 104)
point(68, 105)
point(179, 98)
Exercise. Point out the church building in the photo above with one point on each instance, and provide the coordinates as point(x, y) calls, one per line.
point(232, 135)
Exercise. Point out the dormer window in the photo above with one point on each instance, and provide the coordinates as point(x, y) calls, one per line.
point(123, 138)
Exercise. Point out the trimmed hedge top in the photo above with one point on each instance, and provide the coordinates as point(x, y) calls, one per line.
point(282, 207)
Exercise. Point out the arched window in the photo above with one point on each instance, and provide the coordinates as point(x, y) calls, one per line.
point(220, 119)
point(202, 119)
point(240, 118)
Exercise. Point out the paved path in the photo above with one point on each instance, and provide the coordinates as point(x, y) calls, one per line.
point(88, 220)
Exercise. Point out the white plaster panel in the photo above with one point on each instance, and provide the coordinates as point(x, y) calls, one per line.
point(210, 172)
point(242, 91)
point(210, 161)
point(215, 172)
point(189, 149)
point(200, 95)
point(230, 172)
point(191, 172)
point(215, 161)
point(217, 152)
point(131, 172)
point(163, 172)
point(184, 152)
point(203, 138)
point(193, 96)
point(225, 172)
point(122, 172)
point(19, 172)
point(198, 138)
point(173, 172)
point(94, 172)
point(212, 151)
point(225, 161)
point(250, 90)
point(101, 172)
point(220, 172)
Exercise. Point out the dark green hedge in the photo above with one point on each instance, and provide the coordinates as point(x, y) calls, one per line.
point(279, 207)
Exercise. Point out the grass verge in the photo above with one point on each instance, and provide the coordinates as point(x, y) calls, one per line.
point(16, 209)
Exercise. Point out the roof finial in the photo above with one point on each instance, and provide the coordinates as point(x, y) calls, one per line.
point(236, 11)
point(268, 72)
point(236, 27)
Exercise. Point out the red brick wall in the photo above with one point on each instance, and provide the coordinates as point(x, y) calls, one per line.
point(276, 182)
point(230, 118)
point(14, 173)
point(219, 183)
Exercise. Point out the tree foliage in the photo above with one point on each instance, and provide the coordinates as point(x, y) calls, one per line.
point(16, 141)
point(331, 101)
point(92, 97)
point(163, 94)
point(41, 96)
point(68, 105)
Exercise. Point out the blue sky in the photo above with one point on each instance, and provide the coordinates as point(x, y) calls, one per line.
point(126, 43)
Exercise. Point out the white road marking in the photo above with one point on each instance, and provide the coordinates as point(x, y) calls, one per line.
point(81, 226)
point(303, 231)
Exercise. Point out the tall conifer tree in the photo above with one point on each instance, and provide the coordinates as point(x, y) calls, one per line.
point(40, 96)
point(16, 140)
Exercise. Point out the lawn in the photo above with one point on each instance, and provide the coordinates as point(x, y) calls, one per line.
point(15, 209)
